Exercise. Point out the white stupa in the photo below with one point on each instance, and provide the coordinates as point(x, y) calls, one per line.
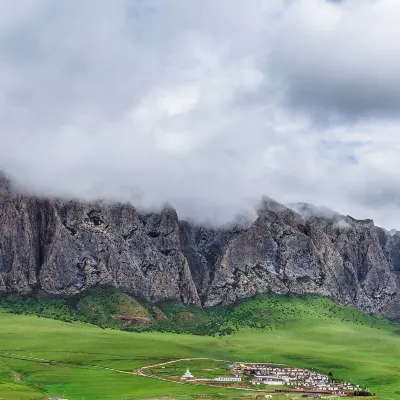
point(187, 375)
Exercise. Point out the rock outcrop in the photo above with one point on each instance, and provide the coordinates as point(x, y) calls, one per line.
point(64, 247)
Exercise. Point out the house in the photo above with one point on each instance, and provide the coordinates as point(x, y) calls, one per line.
point(228, 379)
point(273, 383)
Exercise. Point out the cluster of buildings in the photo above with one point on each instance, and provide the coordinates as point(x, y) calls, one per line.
point(286, 379)
point(293, 378)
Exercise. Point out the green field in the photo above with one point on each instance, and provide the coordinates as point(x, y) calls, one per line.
point(199, 369)
point(308, 332)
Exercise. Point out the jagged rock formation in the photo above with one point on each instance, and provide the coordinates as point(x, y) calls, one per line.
point(63, 248)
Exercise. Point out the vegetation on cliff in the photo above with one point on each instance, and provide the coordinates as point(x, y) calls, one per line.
point(108, 307)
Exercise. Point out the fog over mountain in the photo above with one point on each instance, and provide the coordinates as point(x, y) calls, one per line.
point(205, 104)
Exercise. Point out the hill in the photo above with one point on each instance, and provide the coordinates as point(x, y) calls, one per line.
point(308, 331)
point(108, 307)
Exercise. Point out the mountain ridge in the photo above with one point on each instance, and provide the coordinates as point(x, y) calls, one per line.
point(65, 247)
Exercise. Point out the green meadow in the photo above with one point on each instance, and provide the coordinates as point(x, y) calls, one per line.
point(308, 332)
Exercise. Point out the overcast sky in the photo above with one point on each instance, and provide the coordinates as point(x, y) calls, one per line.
point(205, 104)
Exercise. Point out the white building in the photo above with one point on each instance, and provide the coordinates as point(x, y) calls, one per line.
point(228, 379)
point(273, 383)
point(186, 375)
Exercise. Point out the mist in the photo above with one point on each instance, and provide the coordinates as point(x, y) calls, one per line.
point(207, 105)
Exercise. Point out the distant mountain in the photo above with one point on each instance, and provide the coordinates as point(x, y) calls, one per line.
point(65, 247)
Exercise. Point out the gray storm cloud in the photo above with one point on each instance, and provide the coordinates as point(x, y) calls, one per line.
point(207, 105)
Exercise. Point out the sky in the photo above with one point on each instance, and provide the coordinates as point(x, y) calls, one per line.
point(205, 104)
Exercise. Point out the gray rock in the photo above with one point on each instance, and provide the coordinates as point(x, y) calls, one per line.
point(65, 247)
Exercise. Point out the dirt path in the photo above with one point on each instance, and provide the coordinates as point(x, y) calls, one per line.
point(138, 372)
point(141, 373)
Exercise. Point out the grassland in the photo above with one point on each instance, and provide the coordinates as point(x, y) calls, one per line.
point(308, 332)
point(199, 368)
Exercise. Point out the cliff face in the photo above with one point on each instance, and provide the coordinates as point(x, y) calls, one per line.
point(63, 248)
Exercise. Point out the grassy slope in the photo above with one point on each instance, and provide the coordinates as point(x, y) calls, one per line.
point(309, 332)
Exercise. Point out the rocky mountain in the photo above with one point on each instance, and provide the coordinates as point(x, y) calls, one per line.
point(64, 247)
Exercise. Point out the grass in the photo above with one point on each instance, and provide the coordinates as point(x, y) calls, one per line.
point(308, 332)
point(198, 368)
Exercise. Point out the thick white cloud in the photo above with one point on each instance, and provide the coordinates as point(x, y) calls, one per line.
point(341, 57)
point(206, 104)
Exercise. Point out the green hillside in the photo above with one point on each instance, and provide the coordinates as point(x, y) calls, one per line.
point(308, 331)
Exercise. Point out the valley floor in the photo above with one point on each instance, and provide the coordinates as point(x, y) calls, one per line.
point(46, 358)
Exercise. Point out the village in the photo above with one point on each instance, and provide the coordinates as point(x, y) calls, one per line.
point(280, 379)
point(295, 378)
